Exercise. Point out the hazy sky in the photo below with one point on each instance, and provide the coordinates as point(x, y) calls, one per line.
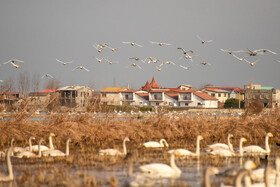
point(38, 32)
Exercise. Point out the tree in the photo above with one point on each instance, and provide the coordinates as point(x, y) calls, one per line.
point(36, 82)
point(52, 84)
point(23, 83)
point(233, 103)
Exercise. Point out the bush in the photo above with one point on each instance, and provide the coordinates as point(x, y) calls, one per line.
point(233, 103)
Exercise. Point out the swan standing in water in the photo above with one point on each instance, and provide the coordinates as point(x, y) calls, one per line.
point(114, 152)
point(162, 170)
point(217, 146)
point(35, 148)
point(257, 150)
point(153, 144)
point(10, 176)
point(55, 152)
point(185, 152)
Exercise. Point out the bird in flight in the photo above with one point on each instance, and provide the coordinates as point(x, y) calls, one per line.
point(205, 63)
point(63, 63)
point(167, 62)
point(114, 49)
point(80, 67)
point(230, 52)
point(189, 57)
point(111, 62)
point(203, 41)
point(47, 75)
point(134, 58)
point(240, 59)
point(251, 63)
point(15, 63)
point(185, 67)
point(254, 53)
point(184, 51)
point(99, 47)
point(159, 69)
point(265, 51)
point(100, 59)
point(132, 44)
point(135, 65)
point(160, 43)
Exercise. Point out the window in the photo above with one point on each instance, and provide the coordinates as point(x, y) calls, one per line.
point(228, 95)
point(186, 104)
point(126, 97)
point(187, 97)
point(155, 97)
point(219, 95)
point(213, 95)
point(157, 104)
point(225, 95)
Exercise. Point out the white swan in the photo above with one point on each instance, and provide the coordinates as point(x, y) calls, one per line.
point(26, 153)
point(35, 148)
point(10, 176)
point(254, 149)
point(208, 172)
point(227, 152)
point(114, 152)
point(163, 170)
point(55, 152)
point(217, 146)
point(153, 144)
point(17, 149)
point(185, 152)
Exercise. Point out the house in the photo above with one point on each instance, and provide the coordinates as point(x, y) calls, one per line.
point(267, 96)
point(40, 99)
point(203, 100)
point(234, 92)
point(221, 95)
point(10, 98)
point(78, 97)
point(112, 95)
point(135, 98)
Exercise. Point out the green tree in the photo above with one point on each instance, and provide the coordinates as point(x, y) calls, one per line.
point(233, 103)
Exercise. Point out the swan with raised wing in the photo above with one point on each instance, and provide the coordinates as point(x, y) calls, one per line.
point(115, 152)
point(153, 144)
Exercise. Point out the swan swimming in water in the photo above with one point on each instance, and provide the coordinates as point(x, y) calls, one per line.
point(55, 152)
point(163, 170)
point(217, 146)
point(35, 148)
point(114, 152)
point(10, 176)
point(185, 152)
point(154, 144)
point(257, 150)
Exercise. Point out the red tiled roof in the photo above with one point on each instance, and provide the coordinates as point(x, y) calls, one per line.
point(143, 95)
point(154, 84)
point(49, 90)
point(159, 90)
point(147, 86)
point(204, 96)
point(129, 91)
point(173, 95)
point(183, 91)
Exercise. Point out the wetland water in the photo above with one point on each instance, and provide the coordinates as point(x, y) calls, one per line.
point(88, 169)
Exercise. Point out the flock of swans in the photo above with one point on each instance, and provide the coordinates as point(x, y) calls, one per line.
point(148, 174)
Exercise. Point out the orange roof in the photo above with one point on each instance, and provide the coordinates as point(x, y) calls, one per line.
point(129, 91)
point(183, 91)
point(147, 86)
point(204, 96)
point(49, 90)
point(143, 95)
point(154, 84)
point(173, 95)
point(113, 89)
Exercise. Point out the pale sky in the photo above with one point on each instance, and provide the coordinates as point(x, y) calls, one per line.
point(38, 32)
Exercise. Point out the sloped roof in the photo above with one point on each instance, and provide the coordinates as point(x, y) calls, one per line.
point(143, 95)
point(217, 90)
point(159, 90)
point(147, 86)
point(173, 95)
point(154, 84)
point(49, 90)
point(71, 88)
point(204, 96)
point(113, 89)
point(183, 91)
point(129, 91)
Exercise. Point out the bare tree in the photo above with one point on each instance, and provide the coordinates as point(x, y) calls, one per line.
point(8, 85)
point(36, 82)
point(52, 84)
point(23, 83)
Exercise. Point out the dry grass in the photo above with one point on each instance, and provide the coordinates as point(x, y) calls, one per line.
point(89, 134)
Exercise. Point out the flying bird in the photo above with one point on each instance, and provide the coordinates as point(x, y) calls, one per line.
point(160, 43)
point(63, 63)
point(111, 62)
point(135, 65)
point(114, 49)
point(230, 52)
point(203, 41)
point(185, 67)
point(98, 47)
point(240, 59)
point(265, 51)
point(205, 63)
point(167, 62)
point(184, 51)
point(134, 58)
point(47, 75)
point(159, 69)
point(251, 63)
point(132, 44)
point(15, 63)
point(80, 67)
point(254, 53)
point(188, 57)
point(100, 59)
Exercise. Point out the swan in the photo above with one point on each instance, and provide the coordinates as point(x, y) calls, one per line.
point(254, 149)
point(28, 153)
point(114, 152)
point(185, 152)
point(35, 148)
point(80, 67)
point(55, 152)
point(10, 177)
point(153, 144)
point(18, 149)
point(221, 145)
point(208, 172)
point(227, 152)
point(162, 170)
point(203, 41)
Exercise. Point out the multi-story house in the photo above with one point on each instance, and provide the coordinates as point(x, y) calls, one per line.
point(221, 95)
point(112, 95)
point(78, 97)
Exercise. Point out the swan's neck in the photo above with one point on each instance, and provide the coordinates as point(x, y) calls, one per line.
point(67, 148)
point(239, 178)
point(50, 142)
point(197, 147)
point(39, 149)
point(164, 143)
point(266, 144)
point(173, 164)
point(124, 147)
point(10, 168)
point(30, 144)
point(207, 178)
point(161, 143)
point(241, 148)
point(229, 144)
